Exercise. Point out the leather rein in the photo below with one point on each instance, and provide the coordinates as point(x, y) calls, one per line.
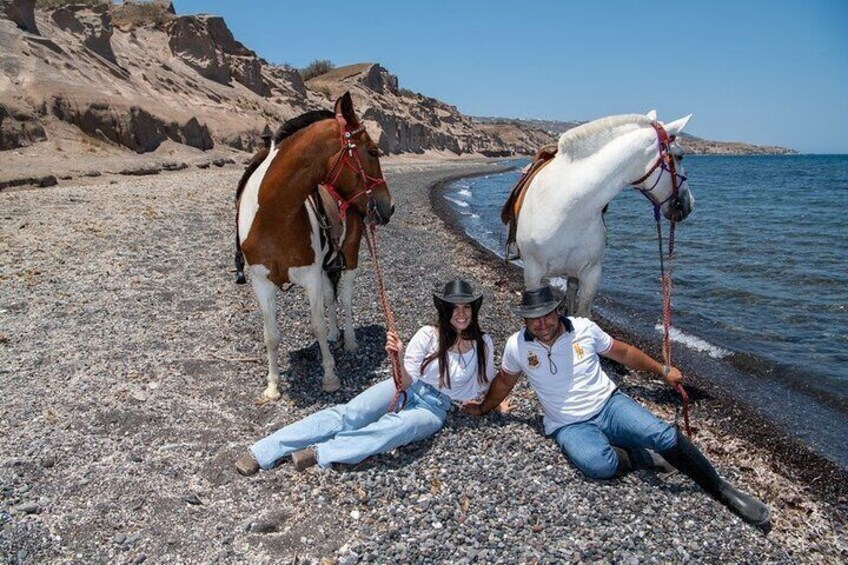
point(349, 158)
point(665, 161)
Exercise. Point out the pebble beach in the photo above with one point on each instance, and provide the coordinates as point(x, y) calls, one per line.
point(131, 365)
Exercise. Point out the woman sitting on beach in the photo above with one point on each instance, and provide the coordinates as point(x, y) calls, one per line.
point(450, 363)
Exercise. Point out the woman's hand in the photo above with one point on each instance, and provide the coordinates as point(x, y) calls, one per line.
point(394, 344)
point(505, 407)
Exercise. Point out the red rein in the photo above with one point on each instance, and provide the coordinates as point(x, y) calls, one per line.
point(350, 158)
point(666, 161)
point(394, 359)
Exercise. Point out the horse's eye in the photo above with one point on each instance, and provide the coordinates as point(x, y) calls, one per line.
point(374, 152)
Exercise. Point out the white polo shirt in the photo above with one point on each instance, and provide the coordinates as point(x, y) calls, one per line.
point(568, 379)
point(461, 368)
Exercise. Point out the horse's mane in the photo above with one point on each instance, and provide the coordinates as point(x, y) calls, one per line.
point(295, 124)
point(586, 139)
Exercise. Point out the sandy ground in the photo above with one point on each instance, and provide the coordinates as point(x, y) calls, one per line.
point(130, 364)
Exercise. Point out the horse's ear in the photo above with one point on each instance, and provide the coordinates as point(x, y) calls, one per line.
point(677, 126)
point(344, 106)
point(652, 115)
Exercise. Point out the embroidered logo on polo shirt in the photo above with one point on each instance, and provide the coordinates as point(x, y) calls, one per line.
point(532, 360)
point(579, 351)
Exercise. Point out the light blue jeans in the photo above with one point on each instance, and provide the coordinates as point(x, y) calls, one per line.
point(622, 422)
point(348, 433)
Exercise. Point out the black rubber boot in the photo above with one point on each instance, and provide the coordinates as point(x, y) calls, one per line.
point(688, 459)
point(636, 458)
point(625, 464)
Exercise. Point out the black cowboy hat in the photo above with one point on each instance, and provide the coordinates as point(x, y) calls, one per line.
point(458, 291)
point(537, 303)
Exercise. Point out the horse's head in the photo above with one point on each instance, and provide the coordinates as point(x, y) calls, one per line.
point(354, 172)
point(664, 181)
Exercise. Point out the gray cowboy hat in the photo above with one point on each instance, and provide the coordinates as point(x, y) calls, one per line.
point(537, 303)
point(458, 291)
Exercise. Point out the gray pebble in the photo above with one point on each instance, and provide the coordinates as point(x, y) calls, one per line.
point(29, 508)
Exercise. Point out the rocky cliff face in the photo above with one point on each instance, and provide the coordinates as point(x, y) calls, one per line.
point(136, 75)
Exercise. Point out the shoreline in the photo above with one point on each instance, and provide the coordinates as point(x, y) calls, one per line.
point(826, 478)
point(131, 363)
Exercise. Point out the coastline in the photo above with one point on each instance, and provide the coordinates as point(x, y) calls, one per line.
point(132, 364)
point(827, 479)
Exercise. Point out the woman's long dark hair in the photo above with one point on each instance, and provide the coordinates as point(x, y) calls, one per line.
point(448, 336)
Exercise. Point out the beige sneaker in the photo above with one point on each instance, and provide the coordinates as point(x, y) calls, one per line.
point(247, 465)
point(305, 458)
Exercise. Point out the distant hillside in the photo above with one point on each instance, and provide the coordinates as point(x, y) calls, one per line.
point(692, 144)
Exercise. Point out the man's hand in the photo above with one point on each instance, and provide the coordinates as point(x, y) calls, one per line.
point(471, 407)
point(673, 377)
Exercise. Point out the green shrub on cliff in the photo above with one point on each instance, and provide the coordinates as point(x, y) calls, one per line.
point(316, 68)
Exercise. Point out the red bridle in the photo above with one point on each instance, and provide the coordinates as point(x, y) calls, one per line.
point(350, 158)
point(665, 161)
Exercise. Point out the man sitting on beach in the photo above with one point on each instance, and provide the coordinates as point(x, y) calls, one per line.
point(603, 431)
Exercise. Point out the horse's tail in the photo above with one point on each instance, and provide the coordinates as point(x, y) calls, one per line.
point(248, 171)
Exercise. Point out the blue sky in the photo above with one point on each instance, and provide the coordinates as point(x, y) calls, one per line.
point(766, 72)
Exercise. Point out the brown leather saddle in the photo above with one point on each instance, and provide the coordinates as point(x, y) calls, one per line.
point(512, 207)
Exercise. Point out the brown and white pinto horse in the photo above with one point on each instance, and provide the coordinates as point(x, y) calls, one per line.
point(279, 233)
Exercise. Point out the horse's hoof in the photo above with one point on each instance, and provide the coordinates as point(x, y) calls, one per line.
point(351, 346)
point(240, 278)
point(271, 394)
point(333, 335)
point(332, 386)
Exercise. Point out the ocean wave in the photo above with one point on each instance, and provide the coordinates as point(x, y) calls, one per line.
point(695, 343)
point(456, 201)
point(465, 192)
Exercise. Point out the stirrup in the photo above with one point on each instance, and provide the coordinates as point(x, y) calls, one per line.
point(511, 252)
point(335, 264)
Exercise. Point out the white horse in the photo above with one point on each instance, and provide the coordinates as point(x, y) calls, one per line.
point(561, 230)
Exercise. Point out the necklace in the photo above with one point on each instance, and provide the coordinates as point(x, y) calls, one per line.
point(462, 361)
point(551, 365)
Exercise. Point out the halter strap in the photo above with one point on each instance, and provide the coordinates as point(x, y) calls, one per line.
point(665, 161)
point(350, 158)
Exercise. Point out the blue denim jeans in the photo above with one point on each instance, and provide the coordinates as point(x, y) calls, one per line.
point(348, 433)
point(622, 422)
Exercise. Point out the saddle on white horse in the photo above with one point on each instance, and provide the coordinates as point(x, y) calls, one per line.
point(512, 206)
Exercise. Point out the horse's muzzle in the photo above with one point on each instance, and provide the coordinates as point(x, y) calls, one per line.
point(379, 212)
point(680, 206)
